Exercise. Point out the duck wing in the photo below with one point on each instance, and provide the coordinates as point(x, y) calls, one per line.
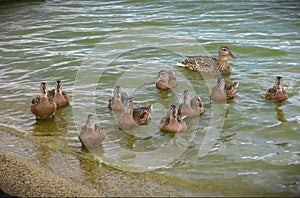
point(201, 63)
point(124, 98)
point(231, 89)
point(51, 94)
point(164, 121)
point(141, 115)
point(196, 102)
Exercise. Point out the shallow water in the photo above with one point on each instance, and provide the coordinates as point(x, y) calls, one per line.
point(92, 46)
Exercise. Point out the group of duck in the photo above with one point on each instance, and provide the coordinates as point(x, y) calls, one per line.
point(91, 134)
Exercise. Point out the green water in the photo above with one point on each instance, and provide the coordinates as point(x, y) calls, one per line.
point(91, 46)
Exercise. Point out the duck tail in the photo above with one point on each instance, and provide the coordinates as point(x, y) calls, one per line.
point(181, 64)
point(236, 85)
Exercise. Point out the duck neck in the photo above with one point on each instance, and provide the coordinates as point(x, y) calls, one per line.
point(222, 63)
point(90, 125)
point(173, 121)
point(43, 95)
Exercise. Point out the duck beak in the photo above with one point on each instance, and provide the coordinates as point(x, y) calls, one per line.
point(232, 55)
point(58, 87)
point(44, 89)
point(279, 79)
point(173, 108)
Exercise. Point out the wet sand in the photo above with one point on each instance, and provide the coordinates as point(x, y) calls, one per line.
point(29, 168)
point(21, 178)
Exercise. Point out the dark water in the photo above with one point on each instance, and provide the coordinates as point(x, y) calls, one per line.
point(92, 46)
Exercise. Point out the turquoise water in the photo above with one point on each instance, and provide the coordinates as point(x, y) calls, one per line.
point(92, 46)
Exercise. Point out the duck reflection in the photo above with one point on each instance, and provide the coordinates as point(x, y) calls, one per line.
point(43, 155)
point(51, 127)
point(89, 164)
point(280, 114)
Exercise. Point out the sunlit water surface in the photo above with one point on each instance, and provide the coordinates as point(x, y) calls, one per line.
point(90, 46)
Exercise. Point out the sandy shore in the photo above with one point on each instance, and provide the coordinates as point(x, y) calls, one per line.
point(21, 178)
point(29, 168)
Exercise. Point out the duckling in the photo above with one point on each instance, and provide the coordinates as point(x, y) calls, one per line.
point(277, 93)
point(166, 79)
point(91, 134)
point(119, 100)
point(127, 121)
point(41, 106)
point(141, 115)
point(207, 63)
point(223, 91)
point(59, 96)
point(173, 122)
point(190, 107)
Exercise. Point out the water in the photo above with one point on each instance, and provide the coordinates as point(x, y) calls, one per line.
point(92, 46)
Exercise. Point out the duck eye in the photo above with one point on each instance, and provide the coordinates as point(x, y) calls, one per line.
point(224, 49)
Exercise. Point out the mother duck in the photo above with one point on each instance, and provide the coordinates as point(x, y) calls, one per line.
point(208, 64)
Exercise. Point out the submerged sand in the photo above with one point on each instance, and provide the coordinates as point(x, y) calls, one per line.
point(31, 169)
point(19, 177)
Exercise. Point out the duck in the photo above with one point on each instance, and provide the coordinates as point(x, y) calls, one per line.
point(142, 115)
point(277, 92)
point(119, 100)
point(166, 79)
point(208, 64)
point(41, 106)
point(127, 121)
point(223, 91)
point(190, 107)
point(59, 96)
point(91, 135)
point(173, 122)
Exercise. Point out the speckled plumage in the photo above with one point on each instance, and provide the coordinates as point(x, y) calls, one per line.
point(166, 79)
point(223, 91)
point(119, 100)
point(91, 134)
point(41, 106)
point(173, 122)
point(190, 106)
point(59, 96)
point(207, 64)
point(277, 92)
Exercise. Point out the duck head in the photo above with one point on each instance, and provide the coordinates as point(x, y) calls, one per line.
point(172, 111)
point(117, 91)
point(225, 51)
point(186, 96)
point(129, 106)
point(90, 121)
point(58, 86)
point(279, 83)
point(43, 88)
point(220, 83)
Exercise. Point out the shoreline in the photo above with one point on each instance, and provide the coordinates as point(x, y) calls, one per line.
point(24, 179)
point(29, 168)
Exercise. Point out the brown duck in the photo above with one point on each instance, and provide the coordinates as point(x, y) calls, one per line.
point(277, 93)
point(127, 121)
point(166, 79)
point(41, 106)
point(59, 96)
point(139, 115)
point(223, 91)
point(91, 134)
point(207, 64)
point(119, 100)
point(173, 122)
point(191, 106)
